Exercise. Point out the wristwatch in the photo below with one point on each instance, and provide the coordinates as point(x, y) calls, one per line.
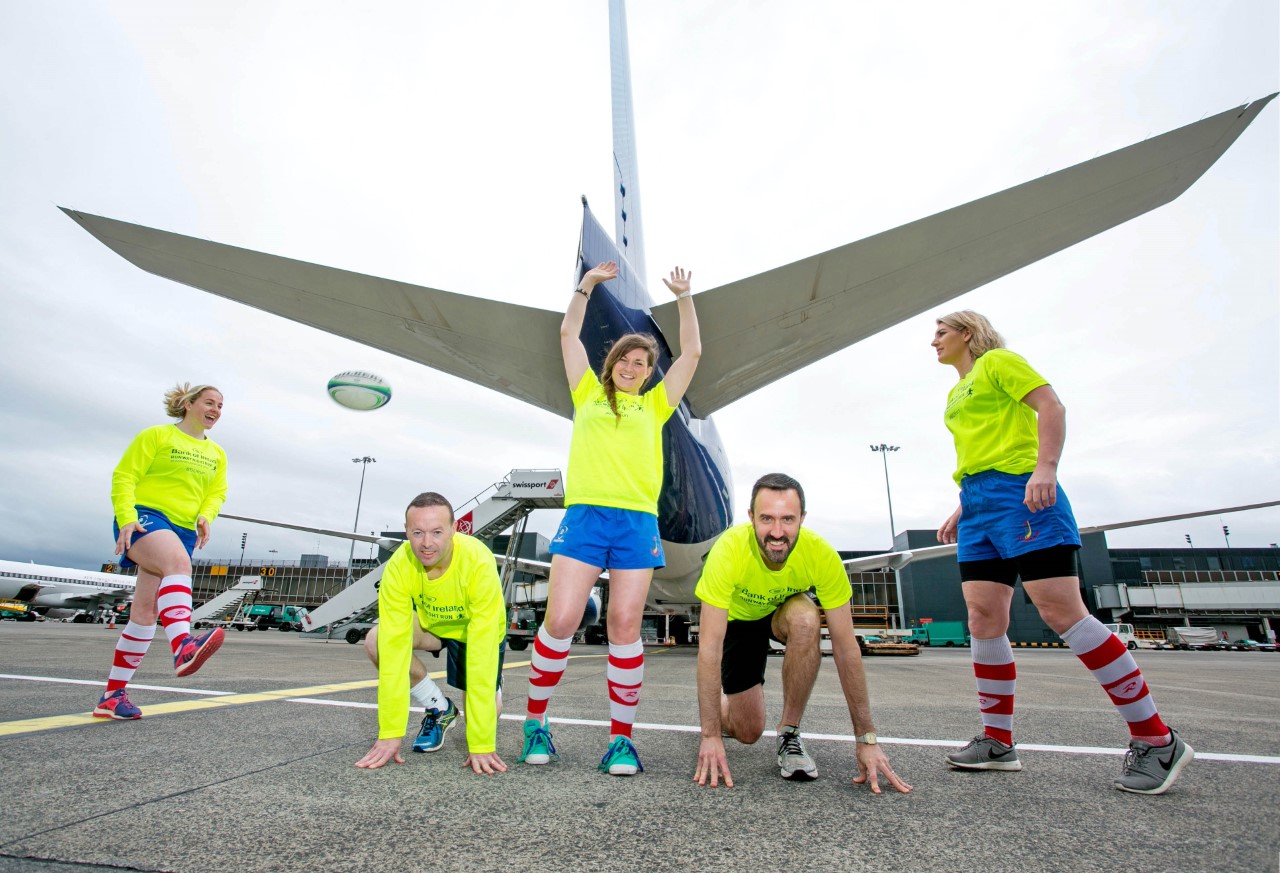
point(868, 738)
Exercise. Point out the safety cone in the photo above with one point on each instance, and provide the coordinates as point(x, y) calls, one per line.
point(111, 621)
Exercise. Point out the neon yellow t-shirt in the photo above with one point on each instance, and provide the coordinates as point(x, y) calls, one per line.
point(616, 463)
point(166, 469)
point(735, 576)
point(464, 604)
point(993, 429)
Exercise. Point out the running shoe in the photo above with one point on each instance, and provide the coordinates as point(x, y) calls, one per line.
point(1152, 769)
point(621, 759)
point(794, 762)
point(194, 651)
point(985, 753)
point(434, 725)
point(537, 744)
point(116, 704)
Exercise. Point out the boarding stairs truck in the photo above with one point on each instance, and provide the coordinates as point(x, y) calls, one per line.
point(351, 612)
point(208, 614)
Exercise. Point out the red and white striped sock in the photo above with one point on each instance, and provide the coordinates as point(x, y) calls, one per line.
point(1117, 672)
point(173, 602)
point(134, 641)
point(625, 675)
point(997, 678)
point(550, 655)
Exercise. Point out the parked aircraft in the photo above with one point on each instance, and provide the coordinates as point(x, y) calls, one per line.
point(754, 330)
point(61, 591)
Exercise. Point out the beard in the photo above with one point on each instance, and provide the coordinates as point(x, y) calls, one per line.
point(775, 551)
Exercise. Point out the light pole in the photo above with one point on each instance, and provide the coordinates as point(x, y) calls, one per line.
point(884, 456)
point(364, 465)
point(884, 451)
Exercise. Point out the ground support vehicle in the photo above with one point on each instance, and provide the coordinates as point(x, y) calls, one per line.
point(940, 633)
point(1192, 638)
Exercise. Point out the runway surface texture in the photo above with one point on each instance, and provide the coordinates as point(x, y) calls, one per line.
point(248, 765)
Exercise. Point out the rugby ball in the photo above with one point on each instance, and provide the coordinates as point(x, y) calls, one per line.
point(359, 390)
point(595, 608)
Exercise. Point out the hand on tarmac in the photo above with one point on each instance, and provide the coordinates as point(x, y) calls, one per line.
point(712, 763)
point(872, 763)
point(382, 752)
point(485, 763)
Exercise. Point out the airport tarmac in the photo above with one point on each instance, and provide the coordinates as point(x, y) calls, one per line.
point(249, 766)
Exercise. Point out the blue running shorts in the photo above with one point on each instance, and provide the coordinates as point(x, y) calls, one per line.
point(615, 539)
point(994, 522)
point(153, 520)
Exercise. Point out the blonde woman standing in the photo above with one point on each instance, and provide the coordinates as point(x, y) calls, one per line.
point(166, 492)
point(1014, 521)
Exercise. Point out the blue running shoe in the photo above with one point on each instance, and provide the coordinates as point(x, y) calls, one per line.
point(194, 651)
point(116, 704)
point(621, 759)
point(537, 744)
point(434, 725)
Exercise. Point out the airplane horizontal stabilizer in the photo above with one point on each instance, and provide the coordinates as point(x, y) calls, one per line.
point(387, 543)
point(510, 348)
point(760, 329)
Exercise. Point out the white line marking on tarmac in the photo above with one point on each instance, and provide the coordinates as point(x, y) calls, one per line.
point(692, 729)
point(101, 684)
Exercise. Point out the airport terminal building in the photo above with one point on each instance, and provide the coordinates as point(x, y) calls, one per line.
point(1234, 590)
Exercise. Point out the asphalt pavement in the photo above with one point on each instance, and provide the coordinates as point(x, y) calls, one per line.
point(248, 766)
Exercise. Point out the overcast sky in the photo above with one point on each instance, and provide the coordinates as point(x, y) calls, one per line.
point(447, 145)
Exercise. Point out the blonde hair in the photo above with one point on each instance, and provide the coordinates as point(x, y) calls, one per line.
point(626, 344)
point(177, 398)
point(982, 336)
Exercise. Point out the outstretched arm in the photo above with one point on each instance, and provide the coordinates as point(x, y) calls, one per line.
point(681, 371)
point(872, 761)
point(571, 347)
point(712, 763)
point(1051, 430)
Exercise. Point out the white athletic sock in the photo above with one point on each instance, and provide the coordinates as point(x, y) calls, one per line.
point(428, 694)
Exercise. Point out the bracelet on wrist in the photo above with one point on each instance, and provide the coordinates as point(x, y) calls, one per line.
point(583, 293)
point(684, 295)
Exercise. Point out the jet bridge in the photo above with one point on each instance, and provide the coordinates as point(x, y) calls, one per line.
point(504, 504)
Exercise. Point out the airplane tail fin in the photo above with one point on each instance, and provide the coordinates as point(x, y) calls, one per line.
point(626, 174)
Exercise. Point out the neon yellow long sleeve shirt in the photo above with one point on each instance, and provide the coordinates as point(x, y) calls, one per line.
point(165, 469)
point(464, 604)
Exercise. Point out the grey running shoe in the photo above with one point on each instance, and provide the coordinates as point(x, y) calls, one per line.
point(1152, 769)
point(984, 753)
point(793, 761)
